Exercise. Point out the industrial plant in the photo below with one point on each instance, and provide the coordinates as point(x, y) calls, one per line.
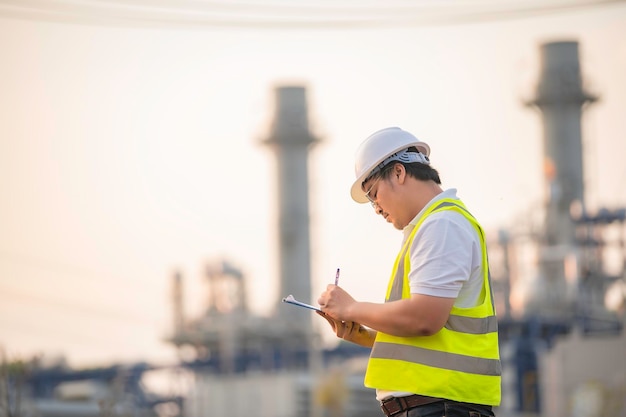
point(563, 343)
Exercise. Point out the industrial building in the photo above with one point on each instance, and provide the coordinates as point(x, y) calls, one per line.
point(563, 349)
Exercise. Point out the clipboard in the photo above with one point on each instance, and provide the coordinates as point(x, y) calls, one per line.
point(291, 300)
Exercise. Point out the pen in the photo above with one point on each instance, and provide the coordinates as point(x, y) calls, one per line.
point(337, 277)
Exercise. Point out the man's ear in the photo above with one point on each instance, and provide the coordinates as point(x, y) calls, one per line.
point(399, 171)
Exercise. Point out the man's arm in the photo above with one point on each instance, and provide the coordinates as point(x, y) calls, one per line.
point(420, 315)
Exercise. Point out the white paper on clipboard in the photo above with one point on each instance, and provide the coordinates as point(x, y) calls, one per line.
point(291, 300)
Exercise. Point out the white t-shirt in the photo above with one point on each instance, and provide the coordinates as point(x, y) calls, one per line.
point(446, 260)
point(444, 267)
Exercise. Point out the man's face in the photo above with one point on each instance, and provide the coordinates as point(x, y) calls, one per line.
point(384, 196)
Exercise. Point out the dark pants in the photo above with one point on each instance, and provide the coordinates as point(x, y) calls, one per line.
point(448, 409)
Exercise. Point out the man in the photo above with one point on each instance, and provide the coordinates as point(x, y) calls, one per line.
point(434, 340)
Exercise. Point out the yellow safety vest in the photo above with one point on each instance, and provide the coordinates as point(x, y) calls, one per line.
point(462, 361)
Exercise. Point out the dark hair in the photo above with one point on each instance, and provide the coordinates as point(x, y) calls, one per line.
point(416, 170)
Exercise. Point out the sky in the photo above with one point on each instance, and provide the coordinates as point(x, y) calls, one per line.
point(129, 153)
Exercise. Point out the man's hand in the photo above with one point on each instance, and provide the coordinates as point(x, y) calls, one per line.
point(350, 331)
point(420, 315)
point(336, 302)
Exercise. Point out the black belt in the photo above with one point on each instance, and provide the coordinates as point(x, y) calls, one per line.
point(395, 405)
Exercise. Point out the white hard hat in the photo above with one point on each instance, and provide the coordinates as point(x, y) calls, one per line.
point(378, 147)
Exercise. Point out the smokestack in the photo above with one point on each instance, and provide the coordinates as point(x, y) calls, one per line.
point(290, 140)
point(177, 299)
point(561, 98)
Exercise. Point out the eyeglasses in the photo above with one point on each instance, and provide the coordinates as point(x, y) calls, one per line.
point(367, 193)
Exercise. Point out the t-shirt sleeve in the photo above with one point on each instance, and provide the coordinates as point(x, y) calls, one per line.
point(441, 255)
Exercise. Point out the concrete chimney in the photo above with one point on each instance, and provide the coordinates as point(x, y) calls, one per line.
point(290, 139)
point(561, 98)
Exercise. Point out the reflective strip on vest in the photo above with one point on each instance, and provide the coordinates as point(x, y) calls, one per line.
point(472, 325)
point(443, 360)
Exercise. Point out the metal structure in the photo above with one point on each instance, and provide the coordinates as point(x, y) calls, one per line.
point(228, 339)
point(228, 333)
point(62, 392)
point(568, 296)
